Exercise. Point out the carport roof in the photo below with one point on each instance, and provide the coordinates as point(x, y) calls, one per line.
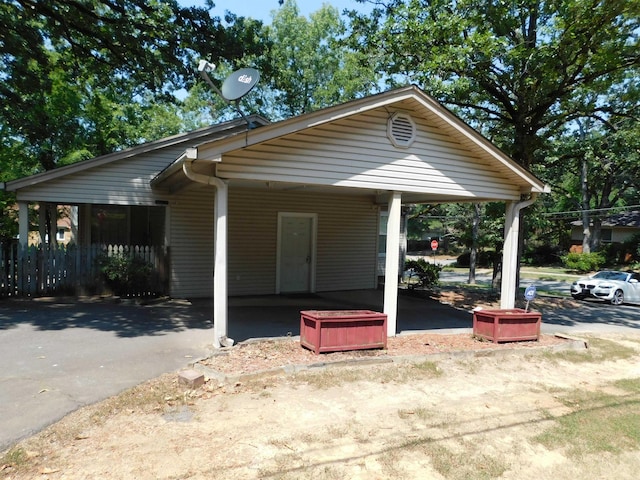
point(213, 151)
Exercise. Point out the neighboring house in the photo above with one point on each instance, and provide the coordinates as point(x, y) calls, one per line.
point(292, 206)
point(63, 232)
point(617, 228)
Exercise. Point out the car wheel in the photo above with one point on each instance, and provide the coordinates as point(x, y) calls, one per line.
point(578, 297)
point(618, 298)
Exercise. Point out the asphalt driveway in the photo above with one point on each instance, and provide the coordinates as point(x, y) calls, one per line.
point(57, 356)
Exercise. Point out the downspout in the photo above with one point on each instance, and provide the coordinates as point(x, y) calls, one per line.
point(510, 251)
point(220, 310)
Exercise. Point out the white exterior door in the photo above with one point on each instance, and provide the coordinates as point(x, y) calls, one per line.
point(296, 252)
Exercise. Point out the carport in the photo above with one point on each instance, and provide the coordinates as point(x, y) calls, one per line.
point(268, 316)
point(398, 147)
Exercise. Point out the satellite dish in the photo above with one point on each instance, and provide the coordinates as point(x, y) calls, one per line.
point(239, 83)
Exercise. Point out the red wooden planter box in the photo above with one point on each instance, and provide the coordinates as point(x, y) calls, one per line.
point(507, 325)
point(341, 330)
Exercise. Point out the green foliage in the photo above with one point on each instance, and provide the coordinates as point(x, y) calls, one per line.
point(312, 67)
point(88, 77)
point(485, 259)
point(428, 274)
point(511, 68)
point(126, 274)
point(583, 262)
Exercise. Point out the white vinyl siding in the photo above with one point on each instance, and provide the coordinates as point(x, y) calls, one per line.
point(125, 182)
point(346, 239)
point(356, 152)
point(192, 243)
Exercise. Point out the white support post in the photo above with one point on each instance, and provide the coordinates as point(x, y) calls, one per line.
point(74, 219)
point(391, 263)
point(220, 317)
point(510, 256)
point(510, 251)
point(42, 222)
point(23, 223)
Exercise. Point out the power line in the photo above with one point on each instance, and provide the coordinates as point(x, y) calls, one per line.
point(592, 212)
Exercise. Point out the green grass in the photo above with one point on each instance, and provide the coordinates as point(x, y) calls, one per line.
point(629, 384)
point(16, 458)
point(599, 350)
point(387, 373)
point(460, 465)
point(599, 423)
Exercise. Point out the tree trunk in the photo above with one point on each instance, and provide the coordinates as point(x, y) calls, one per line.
point(473, 257)
point(596, 235)
point(586, 227)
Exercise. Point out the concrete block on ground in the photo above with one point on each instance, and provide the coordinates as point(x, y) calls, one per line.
point(191, 378)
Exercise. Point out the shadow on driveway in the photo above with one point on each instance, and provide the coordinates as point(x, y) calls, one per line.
point(122, 319)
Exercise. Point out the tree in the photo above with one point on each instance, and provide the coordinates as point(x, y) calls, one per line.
point(518, 71)
point(511, 68)
point(311, 67)
point(75, 72)
point(607, 158)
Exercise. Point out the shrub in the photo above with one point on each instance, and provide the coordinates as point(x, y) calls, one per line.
point(583, 262)
point(541, 255)
point(126, 274)
point(428, 274)
point(485, 259)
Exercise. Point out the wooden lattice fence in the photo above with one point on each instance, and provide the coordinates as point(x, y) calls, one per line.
point(43, 270)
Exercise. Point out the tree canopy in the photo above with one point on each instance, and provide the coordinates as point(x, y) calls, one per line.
point(74, 73)
point(517, 70)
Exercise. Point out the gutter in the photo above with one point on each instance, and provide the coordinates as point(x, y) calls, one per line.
point(188, 157)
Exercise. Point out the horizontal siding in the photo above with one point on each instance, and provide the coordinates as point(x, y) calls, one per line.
point(347, 246)
point(123, 182)
point(356, 152)
point(346, 241)
point(192, 243)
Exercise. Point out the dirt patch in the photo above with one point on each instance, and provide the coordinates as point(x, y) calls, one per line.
point(449, 416)
point(257, 356)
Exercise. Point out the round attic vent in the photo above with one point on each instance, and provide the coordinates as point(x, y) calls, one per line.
point(401, 130)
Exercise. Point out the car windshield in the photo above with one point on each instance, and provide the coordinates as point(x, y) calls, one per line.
point(611, 276)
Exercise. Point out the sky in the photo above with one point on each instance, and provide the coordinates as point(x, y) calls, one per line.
point(261, 9)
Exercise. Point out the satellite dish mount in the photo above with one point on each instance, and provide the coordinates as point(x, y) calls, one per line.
point(235, 86)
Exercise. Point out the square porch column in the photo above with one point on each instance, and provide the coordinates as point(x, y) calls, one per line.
point(391, 262)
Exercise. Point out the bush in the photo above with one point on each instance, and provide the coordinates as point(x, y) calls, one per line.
point(485, 259)
point(428, 274)
point(125, 274)
point(583, 262)
point(541, 255)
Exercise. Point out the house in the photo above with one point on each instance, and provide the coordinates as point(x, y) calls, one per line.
point(617, 228)
point(292, 206)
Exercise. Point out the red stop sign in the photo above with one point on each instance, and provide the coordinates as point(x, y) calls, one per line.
point(434, 244)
